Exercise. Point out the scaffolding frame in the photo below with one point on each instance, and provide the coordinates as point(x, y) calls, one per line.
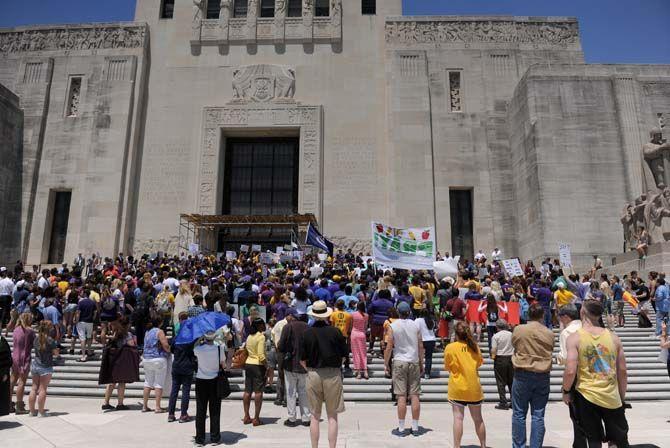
point(202, 229)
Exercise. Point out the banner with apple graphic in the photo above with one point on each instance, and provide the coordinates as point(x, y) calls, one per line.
point(410, 248)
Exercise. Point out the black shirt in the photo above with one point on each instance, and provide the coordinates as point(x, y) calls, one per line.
point(323, 346)
point(642, 293)
point(87, 308)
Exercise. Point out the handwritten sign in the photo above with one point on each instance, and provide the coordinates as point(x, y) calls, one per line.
point(564, 255)
point(513, 267)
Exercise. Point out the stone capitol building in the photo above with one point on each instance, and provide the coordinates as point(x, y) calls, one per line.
point(493, 129)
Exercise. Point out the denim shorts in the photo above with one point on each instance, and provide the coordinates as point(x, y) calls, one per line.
point(39, 370)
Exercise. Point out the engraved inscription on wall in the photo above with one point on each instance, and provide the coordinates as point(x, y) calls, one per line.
point(163, 167)
point(354, 161)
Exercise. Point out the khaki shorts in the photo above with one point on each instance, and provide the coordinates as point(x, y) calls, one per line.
point(406, 378)
point(325, 386)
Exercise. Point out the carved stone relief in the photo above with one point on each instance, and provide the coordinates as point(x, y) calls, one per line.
point(541, 33)
point(336, 19)
point(263, 83)
point(84, 38)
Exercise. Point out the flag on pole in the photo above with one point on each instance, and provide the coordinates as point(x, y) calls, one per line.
point(314, 238)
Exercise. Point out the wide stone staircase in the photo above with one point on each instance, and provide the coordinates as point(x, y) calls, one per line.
point(647, 377)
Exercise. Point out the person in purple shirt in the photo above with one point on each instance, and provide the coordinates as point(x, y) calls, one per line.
point(378, 309)
point(543, 295)
point(322, 293)
point(404, 296)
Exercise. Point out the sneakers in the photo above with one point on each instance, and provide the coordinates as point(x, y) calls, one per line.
point(122, 407)
point(20, 408)
point(107, 407)
point(291, 423)
point(404, 433)
point(185, 418)
point(503, 406)
point(171, 418)
point(305, 423)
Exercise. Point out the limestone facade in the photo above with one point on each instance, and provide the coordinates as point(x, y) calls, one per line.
point(391, 113)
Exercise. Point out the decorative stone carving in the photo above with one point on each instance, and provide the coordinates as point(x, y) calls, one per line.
point(436, 31)
point(252, 20)
point(280, 21)
point(169, 245)
point(655, 153)
point(81, 38)
point(455, 91)
point(308, 20)
point(263, 83)
point(198, 16)
point(336, 19)
point(225, 14)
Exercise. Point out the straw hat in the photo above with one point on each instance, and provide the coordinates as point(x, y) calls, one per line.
point(320, 310)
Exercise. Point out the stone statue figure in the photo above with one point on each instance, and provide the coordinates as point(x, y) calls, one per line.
point(654, 154)
point(628, 226)
point(198, 10)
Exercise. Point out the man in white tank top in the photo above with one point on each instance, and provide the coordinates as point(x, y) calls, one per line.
point(405, 344)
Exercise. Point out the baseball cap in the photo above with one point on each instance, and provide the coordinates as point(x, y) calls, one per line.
point(403, 307)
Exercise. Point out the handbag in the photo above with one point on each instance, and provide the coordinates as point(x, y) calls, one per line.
point(222, 383)
point(240, 358)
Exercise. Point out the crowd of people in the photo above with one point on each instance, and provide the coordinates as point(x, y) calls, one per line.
point(313, 321)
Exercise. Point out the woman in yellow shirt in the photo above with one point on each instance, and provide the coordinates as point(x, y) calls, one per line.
point(254, 371)
point(462, 359)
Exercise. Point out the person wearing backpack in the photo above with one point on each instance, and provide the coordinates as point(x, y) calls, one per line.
point(426, 324)
point(164, 304)
point(109, 312)
point(140, 316)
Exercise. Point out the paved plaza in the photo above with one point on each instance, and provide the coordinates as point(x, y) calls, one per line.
point(80, 423)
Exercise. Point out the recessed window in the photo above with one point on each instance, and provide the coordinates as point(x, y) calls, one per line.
point(267, 8)
point(167, 9)
point(240, 8)
point(322, 8)
point(369, 7)
point(455, 92)
point(73, 97)
point(213, 9)
point(294, 8)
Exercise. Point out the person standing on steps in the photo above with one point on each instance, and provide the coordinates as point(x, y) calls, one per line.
point(533, 347)
point(290, 344)
point(323, 351)
point(210, 358)
point(501, 353)
point(596, 367)
point(406, 346)
point(23, 338)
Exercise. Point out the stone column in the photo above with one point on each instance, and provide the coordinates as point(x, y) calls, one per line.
point(280, 21)
point(336, 20)
point(224, 17)
point(308, 20)
point(627, 109)
point(252, 19)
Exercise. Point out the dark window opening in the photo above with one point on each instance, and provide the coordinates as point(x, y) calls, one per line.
point(213, 9)
point(322, 8)
point(462, 242)
point(267, 8)
point(167, 9)
point(294, 8)
point(369, 7)
point(240, 8)
point(61, 216)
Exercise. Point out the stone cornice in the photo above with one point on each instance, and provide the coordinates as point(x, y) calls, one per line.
point(96, 36)
point(555, 31)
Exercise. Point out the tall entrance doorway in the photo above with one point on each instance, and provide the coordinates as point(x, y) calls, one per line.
point(461, 223)
point(260, 179)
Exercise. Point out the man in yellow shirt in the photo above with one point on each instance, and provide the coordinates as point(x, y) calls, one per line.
point(419, 296)
point(343, 321)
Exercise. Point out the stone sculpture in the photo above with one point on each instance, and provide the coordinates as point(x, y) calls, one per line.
point(263, 83)
point(654, 153)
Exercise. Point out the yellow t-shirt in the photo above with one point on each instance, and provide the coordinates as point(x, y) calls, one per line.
point(563, 297)
point(596, 369)
point(342, 321)
point(95, 296)
point(418, 294)
point(63, 286)
point(478, 286)
point(256, 348)
point(462, 364)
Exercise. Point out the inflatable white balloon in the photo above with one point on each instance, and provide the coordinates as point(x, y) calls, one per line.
point(446, 268)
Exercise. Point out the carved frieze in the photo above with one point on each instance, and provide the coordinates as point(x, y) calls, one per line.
point(262, 83)
point(437, 31)
point(73, 38)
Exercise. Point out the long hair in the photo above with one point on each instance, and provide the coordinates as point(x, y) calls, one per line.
point(463, 334)
point(120, 328)
point(43, 334)
point(25, 320)
point(491, 305)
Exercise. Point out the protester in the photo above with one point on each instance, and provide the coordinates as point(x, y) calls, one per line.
point(323, 351)
point(358, 338)
point(343, 321)
point(662, 301)
point(569, 318)
point(533, 346)
point(596, 366)
point(41, 368)
point(182, 301)
point(23, 339)
point(426, 325)
point(404, 342)
point(184, 364)
point(254, 372)
point(210, 359)
point(378, 311)
point(291, 343)
point(86, 310)
point(155, 354)
point(462, 359)
point(501, 353)
point(120, 364)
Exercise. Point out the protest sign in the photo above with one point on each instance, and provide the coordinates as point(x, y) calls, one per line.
point(403, 248)
point(280, 249)
point(513, 267)
point(266, 258)
point(564, 255)
point(193, 248)
point(231, 255)
point(322, 257)
point(244, 248)
point(256, 248)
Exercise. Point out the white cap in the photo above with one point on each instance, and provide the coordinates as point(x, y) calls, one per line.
point(3, 269)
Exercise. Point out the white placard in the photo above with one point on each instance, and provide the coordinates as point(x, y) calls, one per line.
point(231, 255)
point(564, 255)
point(244, 248)
point(323, 257)
point(256, 248)
point(280, 249)
point(513, 267)
point(266, 258)
point(193, 248)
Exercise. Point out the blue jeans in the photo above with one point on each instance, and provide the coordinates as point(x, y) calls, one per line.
point(185, 382)
point(532, 389)
point(660, 315)
point(547, 318)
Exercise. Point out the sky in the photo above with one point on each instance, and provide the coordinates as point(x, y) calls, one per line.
point(612, 31)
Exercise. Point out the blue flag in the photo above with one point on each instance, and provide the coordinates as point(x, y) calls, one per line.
point(314, 238)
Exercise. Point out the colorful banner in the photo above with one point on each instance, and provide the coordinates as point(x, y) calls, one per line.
point(411, 248)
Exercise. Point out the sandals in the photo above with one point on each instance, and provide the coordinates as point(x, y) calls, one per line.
point(256, 422)
point(247, 420)
point(145, 410)
point(160, 410)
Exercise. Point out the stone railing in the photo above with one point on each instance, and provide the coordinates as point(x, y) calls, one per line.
point(99, 36)
point(541, 31)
